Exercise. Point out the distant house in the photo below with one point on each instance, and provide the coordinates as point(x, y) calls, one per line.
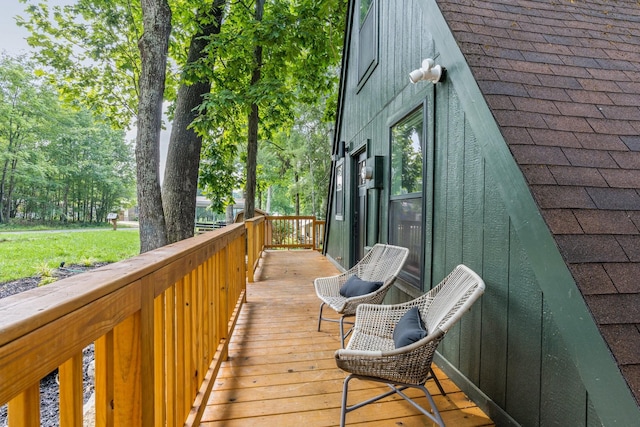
point(524, 164)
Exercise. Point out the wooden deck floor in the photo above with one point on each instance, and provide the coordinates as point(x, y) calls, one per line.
point(281, 370)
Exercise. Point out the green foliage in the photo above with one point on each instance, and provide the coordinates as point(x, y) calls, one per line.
point(89, 51)
point(29, 254)
point(59, 163)
point(301, 43)
point(218, 173)
point(44, 270)
point(298, 165)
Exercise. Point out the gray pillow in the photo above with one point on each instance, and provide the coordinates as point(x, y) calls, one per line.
point(409, 328)
point(355, 286)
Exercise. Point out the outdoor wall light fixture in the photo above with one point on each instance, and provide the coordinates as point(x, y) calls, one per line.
point(428, 71)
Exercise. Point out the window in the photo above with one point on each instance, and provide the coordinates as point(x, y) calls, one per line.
point(339, 190)
point(365, 6)
point(367, 40)
point(405, 207)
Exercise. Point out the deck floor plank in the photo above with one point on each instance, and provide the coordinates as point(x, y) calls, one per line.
point(281, 370)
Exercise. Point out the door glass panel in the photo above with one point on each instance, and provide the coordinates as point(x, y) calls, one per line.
point(406, 230)
point(405, 206)
point(406, 155)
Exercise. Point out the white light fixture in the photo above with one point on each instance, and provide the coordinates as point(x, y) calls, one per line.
point(428, 71)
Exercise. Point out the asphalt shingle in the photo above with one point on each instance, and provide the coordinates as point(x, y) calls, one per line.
point(563, 82)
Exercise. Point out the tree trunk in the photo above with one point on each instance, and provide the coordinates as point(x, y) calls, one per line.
point(252, 136)
point(183, 159)
point(296, 178)
point(11, 187)
point(5, 201)
point(2, 191)
point(153, 45)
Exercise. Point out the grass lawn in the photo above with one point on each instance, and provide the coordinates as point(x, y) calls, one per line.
point(30, 254)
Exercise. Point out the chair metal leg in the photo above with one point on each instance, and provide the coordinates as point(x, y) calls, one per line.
point(344, 335)
point(343, 409)
point(437, 381)
point(435, 416)
point(320, 315)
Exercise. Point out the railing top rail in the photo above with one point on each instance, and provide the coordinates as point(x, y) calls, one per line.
point(24, 313)
point(257, 219)
point(291, 217)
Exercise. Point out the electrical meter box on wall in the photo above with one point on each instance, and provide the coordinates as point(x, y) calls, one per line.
point(375, 171)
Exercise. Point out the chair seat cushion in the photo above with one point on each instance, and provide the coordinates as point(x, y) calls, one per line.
point(355, 286)
point(409, 328)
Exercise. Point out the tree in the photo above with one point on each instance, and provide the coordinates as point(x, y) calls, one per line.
point(297, 163)
point(271, 58)
point(154, 46)
point(183, 159)
point(26, 108)
point(297, 40)
point(96, 41)
point(57, 162)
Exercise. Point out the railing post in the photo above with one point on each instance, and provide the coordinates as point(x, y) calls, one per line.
point(251, 244)
point(313, 232)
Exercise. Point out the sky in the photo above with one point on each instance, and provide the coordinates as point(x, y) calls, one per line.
point(12, 37)
point(13, 42)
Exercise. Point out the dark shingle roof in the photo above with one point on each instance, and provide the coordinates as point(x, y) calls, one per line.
point(563, 82)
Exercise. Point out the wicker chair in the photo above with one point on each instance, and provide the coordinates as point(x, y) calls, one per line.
point(381, 264)
point(371, 353)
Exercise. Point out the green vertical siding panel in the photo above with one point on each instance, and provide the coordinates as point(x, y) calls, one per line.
point(455, 182)
point(429, 153)
point(493, 359)
point(454, 204)
point(387, 54)
point(524, 338)
point(441, 145)
point(400, 38)
point(563, 396)
point(472, 245)
point(592, 416)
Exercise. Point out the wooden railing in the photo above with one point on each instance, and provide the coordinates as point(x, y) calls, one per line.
point(160, 323)
point(294, 232)
point(280, 232)
point(255, 243)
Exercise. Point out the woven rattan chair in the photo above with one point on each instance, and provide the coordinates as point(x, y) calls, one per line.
point(381, 264)
point(371, 353)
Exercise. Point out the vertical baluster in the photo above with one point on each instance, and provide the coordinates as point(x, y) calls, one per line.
point(170, 354)
point(71, 392)
point(160, 401)
point(127, 375)
point(144, 360)
point(104, 393)
point(194, 333)
point(24, 409)
point(181, 310)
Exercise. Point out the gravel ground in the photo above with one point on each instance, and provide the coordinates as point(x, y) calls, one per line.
point(49, 388)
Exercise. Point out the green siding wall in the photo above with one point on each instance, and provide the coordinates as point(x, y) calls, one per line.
point(510, 348)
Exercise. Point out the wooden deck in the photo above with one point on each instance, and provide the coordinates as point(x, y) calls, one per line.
point(281, 370)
